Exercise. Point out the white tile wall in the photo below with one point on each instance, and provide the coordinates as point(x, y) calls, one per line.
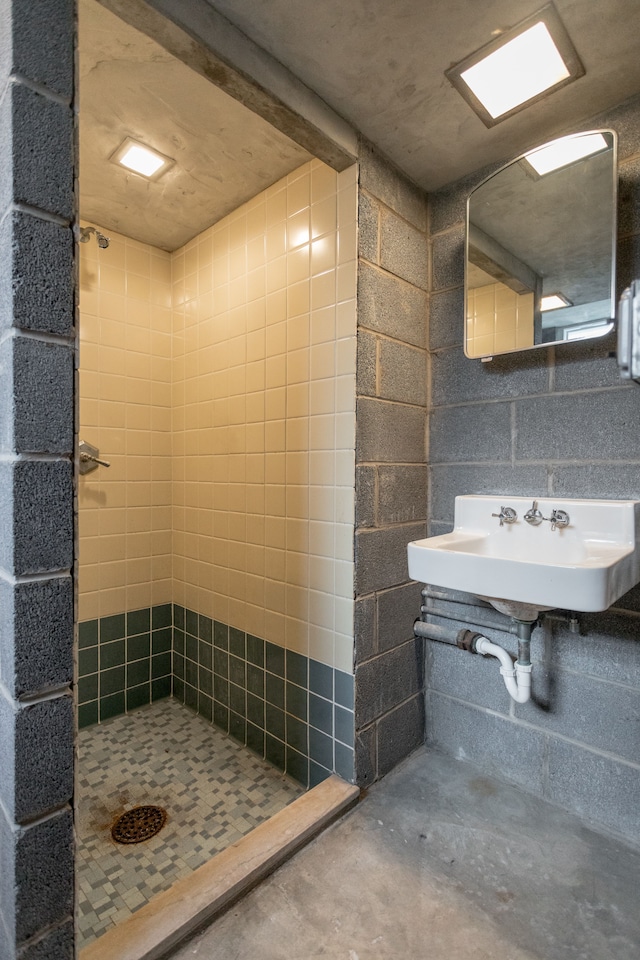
point(264, 416)
point(498, 320)
point(125, 396)
point(220, 380)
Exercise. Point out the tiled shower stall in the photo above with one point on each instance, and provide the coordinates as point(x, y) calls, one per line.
point(307, 664)
point(216, 552)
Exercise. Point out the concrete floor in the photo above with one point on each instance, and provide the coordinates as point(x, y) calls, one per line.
point(440, 862)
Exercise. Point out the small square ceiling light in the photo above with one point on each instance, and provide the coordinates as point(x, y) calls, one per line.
point(141, 159)
point(553, 301)
point(519, 67)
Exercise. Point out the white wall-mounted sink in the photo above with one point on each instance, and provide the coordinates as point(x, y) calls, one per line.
point(586, 565)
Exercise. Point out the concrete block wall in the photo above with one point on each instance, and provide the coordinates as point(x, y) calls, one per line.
point(36, 484)
point(556, 421)
point(391, 472)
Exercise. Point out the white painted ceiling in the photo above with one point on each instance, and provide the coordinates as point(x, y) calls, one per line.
point(378, 63)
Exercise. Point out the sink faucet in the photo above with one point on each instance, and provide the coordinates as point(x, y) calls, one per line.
point(558, 518)
point(506, 515)
point(533, 515)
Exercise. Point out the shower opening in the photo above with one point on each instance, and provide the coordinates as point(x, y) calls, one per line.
point(217, 323)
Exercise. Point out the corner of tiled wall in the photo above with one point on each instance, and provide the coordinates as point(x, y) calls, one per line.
point(36, 515)
point(391, 472)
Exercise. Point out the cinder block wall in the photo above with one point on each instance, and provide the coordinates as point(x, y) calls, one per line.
point(550, 422)
point(391, 472)
point(36, 495)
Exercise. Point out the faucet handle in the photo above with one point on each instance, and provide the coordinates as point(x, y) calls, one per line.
point(559, 518)
point(506, 515)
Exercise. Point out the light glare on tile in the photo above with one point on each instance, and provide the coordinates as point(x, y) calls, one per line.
point(141, 159)
point(562, 152)
point(553, 302)
point(516, 72)
point(298, 236)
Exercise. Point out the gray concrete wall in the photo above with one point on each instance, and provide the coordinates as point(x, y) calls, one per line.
point(36, 484)
point(391, 473)
point(555, 421)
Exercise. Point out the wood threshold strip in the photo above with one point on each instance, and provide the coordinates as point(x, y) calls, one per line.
point(173, 915)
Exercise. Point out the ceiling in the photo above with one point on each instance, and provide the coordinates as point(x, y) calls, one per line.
point(224, 153)
point(378, 64)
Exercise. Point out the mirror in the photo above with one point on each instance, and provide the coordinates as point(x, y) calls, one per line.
point(540, 248)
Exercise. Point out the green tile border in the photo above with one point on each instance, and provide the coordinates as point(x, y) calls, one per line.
point(294, 711)
point(124, 661)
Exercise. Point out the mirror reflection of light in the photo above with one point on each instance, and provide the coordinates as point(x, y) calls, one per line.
point(587, 332)
point(517, 71)
point(553, 301)
point(567, 150)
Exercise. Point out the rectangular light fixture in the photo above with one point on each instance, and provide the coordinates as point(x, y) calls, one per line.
point(518, 67)
point(566, 150)
point(553, 301)
point(142, 159)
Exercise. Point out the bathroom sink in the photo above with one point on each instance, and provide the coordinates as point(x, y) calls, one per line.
point(585, 561)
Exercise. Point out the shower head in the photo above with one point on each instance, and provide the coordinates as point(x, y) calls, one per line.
point(84, 235)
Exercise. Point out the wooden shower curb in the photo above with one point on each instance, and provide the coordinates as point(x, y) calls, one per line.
point(151, 932)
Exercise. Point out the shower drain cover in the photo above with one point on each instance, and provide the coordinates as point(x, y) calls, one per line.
point(139, 824)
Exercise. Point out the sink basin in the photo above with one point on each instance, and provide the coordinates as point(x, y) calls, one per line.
point(586, 565)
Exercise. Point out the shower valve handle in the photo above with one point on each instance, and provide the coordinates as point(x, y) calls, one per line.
point(85, 457)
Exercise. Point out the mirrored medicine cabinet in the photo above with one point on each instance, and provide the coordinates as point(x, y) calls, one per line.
point(540, 248)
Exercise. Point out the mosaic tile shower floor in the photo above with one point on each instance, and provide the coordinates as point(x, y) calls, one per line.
point(214, 791)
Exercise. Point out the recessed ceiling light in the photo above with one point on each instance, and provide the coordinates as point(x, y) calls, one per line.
point(517, 72)
point(519, 67)
point(553, 301)
point(567, 150)
point(141, 159)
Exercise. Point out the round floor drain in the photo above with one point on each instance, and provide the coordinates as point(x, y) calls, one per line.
point(138, 824)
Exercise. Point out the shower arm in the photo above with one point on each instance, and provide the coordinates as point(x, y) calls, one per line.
point(83, 235)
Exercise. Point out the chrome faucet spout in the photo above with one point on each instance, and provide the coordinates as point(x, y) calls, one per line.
point(558, 518)
point(533, 515)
